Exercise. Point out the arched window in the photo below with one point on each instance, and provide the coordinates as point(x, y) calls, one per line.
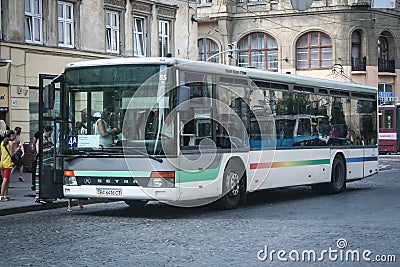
point(382, 48)
point(208, 48)
point(358, 62)
point(384, 63)
point(258, 50)
point(314, 51)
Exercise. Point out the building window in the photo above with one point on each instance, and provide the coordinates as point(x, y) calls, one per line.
point(163, 37)
point(314, 51)
point(205, 1)
point(65, 24)
point(112, 31)
point(384, 63)
point(382, 48)
point(258, 50)
point(356, 44)
point(33, 21)
point(208, 48)
point(358, 63)
point(139, 36)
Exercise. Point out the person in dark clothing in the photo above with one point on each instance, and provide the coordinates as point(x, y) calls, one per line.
point(35, 150)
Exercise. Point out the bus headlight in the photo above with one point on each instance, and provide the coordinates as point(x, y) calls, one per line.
point(157, 182)
point(162, 179)
point(69, 178)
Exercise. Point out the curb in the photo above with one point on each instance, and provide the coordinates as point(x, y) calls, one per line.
point(48, 206)
point(384, 167)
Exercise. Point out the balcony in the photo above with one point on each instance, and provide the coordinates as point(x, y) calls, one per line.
point(385, 65)
point(359, 64)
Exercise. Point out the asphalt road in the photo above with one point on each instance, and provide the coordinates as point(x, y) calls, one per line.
point(276, 228)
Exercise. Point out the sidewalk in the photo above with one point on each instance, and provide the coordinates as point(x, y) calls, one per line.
point(23, 198)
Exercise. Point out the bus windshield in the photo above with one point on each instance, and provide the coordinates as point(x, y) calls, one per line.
point(120, 109)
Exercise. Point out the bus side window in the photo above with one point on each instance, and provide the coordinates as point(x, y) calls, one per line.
point(304, 127)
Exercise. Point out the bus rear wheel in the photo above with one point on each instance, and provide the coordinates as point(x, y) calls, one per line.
point(232, 187)
point(338, 178)
point(135, 203)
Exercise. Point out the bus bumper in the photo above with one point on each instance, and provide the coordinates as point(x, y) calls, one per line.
point(121, 192)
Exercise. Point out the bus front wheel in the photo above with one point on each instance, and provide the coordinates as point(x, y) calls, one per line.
point(232, 186)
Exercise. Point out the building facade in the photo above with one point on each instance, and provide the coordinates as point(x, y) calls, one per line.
point(42, 36)
point(344, 40)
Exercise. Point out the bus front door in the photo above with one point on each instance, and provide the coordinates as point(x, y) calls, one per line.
point(50, 121)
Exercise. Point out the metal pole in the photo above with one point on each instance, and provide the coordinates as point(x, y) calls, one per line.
point(225, 51)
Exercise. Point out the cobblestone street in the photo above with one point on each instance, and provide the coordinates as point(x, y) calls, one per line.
point(364, 217)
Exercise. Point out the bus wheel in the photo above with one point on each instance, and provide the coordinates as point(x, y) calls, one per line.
point(338, 179)
point(135, 203)
point(232, 187)
point(338, 176)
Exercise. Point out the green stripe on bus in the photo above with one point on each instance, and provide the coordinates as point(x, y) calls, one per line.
point(196, 176)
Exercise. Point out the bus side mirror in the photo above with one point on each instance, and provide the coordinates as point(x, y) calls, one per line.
point(183, 98)
point(48, 96)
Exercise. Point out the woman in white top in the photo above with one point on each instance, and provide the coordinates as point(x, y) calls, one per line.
point(103, 129)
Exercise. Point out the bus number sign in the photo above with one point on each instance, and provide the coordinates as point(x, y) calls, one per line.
point(83, 141)
point(72, 141)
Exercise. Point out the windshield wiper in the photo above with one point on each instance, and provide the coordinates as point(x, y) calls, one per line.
point(147, 155)
point(96, 153)
point(80, 154)
point(92, 153)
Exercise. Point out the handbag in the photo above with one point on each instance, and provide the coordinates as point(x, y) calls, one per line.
point(14, 159)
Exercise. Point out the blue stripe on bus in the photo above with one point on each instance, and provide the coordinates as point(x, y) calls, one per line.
point(361, 159)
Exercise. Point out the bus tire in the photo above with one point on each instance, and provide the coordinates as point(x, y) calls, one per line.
point(136, 203)
point(232, 186)
point(338, 178)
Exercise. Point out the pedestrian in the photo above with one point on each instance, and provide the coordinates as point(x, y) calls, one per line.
point(3, 132)
point(6, 162)
point(47, 143)
point(18, 148)
point(35, 151)
point(3, 129)
point(69, 208)
point(47, 139)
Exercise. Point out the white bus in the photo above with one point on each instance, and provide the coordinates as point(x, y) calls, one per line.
point(189, 133)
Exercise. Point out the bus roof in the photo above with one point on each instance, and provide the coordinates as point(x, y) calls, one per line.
point(121, 61)
point(253, 74)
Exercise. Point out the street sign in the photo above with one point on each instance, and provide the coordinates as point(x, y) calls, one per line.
point(386, 94)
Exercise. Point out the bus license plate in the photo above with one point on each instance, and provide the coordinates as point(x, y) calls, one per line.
point(109, 192)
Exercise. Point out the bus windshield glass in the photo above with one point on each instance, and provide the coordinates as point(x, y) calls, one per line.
point(115, 109)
